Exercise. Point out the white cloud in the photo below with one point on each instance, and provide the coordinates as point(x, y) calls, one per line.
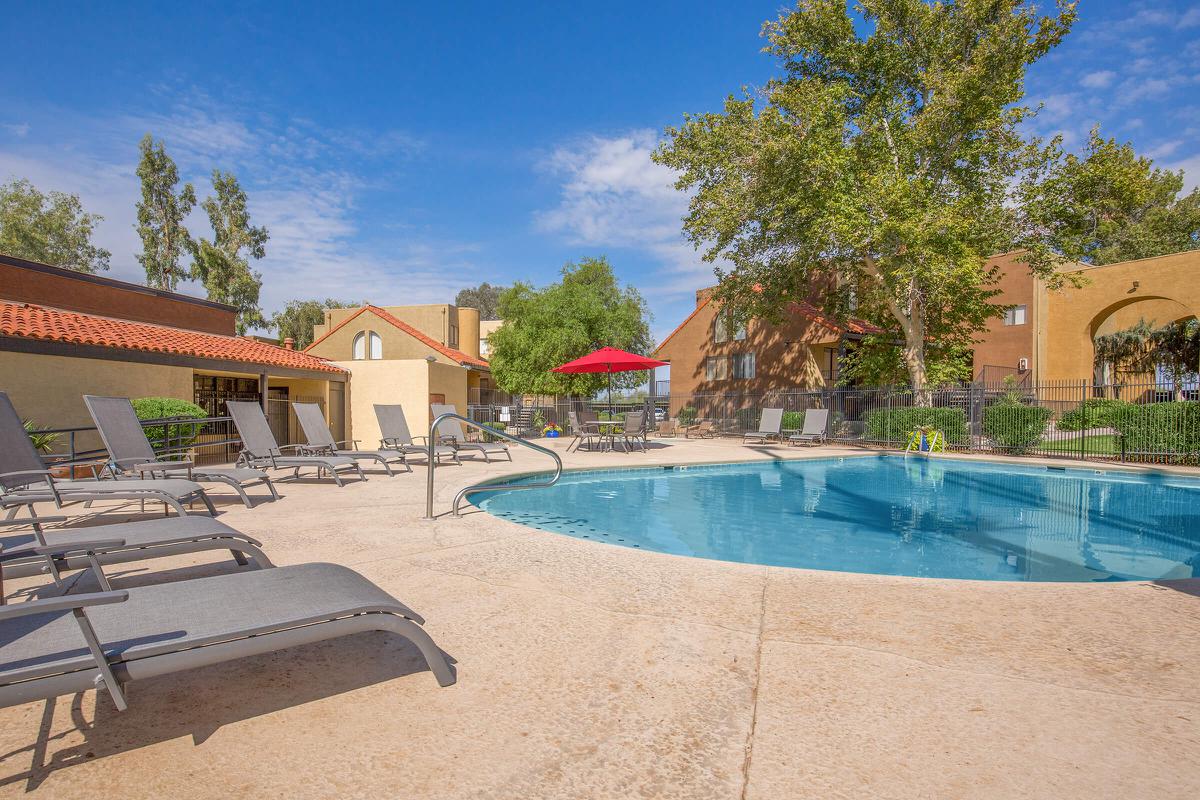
point(1098, 80)
point(302, 182)
point(18, 129)
point(1164, 149)
point(1190, 19)
point(1191, 171)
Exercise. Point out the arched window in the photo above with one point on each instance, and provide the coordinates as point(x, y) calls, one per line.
point(368, 345)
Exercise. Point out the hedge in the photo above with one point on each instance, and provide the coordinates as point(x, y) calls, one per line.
point(1015, 427)
point(164, 407)
point(1162, 428)
point(895, 424)
point(687, 415)
point(1095, 412)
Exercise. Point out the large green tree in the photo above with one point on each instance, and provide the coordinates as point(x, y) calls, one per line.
point(484, 297)
point(49, 227)
point(876, 171)
point(298, 318)
point(160, 216)
point(222, 264)
point(546, 327)
point(1109, 204)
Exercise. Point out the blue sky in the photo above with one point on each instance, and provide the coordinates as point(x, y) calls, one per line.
point(398, 152)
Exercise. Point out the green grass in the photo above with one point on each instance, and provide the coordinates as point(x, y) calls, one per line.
point(1103, 444)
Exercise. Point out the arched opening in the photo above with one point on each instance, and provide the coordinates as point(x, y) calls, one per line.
point(367, 345)
point(1133, 349)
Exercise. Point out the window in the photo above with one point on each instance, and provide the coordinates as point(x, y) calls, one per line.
point(743, 365)
point(830, 366)
point(453, 336)
point(716, 368)
point(367, 344)
point(483, 346)
point(722, 324)
point(1015, 316)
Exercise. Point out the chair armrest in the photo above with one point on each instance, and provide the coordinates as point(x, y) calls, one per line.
point(32, 520)
point(352, 442)
point(68, 602)
point(45, 473)
point(424, 438)
point(153, 466)
point(296, 447)
point(60, 549)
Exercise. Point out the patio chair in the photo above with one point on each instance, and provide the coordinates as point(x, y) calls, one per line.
point(668, 428)
point(24, 479)
point(451, 431)
point(704, 429)
point(131, 541)
point(321, 442)
point(634, 430)
point(585, 432)
point(769, 424)
point(102, 640)
point(394, 435)
point(816, 420)
point(259, 448)
point(130, 452)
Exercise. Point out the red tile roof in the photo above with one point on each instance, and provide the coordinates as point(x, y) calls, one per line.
point(51, 324)
point(456, 355)
point(851, 325)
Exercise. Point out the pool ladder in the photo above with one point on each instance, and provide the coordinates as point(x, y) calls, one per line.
point(481, 487)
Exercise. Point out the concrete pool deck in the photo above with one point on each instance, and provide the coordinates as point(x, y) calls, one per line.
point(588, 670)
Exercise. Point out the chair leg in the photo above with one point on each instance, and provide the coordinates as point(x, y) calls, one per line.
point(433, 655)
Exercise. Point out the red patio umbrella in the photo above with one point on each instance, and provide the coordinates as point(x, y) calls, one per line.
point(610, 360)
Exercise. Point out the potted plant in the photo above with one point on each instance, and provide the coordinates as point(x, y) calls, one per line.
point(552, 431)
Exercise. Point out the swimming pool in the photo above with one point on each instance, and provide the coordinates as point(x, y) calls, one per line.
point(885, 514)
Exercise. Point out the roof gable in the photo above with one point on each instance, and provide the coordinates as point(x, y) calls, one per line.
point(457, 356)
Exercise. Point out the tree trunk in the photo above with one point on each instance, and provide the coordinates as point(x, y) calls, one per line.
point(911, 317)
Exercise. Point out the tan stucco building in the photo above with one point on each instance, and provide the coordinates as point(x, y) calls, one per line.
point(64, 334)
point(407, 355)
point(1048, 334)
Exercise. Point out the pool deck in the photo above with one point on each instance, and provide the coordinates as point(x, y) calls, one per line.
point(593, 671)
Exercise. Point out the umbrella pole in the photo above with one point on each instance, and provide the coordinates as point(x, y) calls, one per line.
point(610, 411)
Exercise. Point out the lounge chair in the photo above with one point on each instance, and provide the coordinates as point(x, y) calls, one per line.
point(704, 429)
point(394, 435)
point(321, 442)
point(137, 541)
point(816, 420)
point(24, 479)
point(452, 433)
point(102, 640)
point(769, 424)
point(130, 452)
point(634, 430)
point(259, 448)
point(668, 427)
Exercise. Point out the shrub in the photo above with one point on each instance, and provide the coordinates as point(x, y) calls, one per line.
point(42, 442)
point(895, 424)
point(166, 407)
point(1162, 428)
point(793, 420)
point(687, 415)
point(1014, 426)
point(1095, 412)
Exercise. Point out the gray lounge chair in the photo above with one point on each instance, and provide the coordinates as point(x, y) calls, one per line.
point(24, 479)
point(452, 433)
point(141, 540)
point(769, 425)
point(816, 420)
point(260, 450)
point(394, 435)
point(130, 452)
point(321, 442)
point(102, 640)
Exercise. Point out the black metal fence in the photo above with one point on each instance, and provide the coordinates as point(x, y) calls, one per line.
point(1145, 422)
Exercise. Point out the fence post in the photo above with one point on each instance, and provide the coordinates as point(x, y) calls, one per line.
point(1083, 417)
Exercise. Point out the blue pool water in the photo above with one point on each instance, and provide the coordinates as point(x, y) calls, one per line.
point(883, 514)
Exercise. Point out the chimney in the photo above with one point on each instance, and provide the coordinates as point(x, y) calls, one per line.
point(289, 343)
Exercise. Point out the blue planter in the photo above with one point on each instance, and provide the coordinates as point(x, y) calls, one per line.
point(553, 435)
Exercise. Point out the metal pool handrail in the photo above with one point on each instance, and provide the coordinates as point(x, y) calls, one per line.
point(482, 487)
